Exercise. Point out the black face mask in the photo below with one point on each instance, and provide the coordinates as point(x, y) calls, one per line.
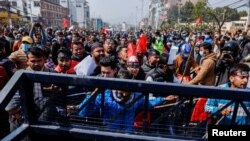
point(222, 44)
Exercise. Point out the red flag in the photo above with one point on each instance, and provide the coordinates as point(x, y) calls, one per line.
point(198, 21)
point(131, 50)
point(104, 30)
point(65, 23)
point(142, 44)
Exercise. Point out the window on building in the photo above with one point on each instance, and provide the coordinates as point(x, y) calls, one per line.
point(78, 5)
point(63, 1)
point(36, 3)
point(14, 3)
point(25, 4)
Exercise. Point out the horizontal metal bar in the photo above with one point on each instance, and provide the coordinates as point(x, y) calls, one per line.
point(17, 134)
point(97, 134)
point(142, 86)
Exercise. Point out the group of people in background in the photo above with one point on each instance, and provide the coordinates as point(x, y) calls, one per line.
point(167, 56)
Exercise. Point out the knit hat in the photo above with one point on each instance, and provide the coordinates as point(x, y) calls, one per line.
point(133, 61)
point(96, 45)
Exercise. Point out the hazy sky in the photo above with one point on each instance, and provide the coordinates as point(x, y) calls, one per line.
point(230, 3)
point(117, 11)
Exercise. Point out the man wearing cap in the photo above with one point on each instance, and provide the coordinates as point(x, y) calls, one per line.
point(64, 61)
point(19, 57)
point(97, 53)
point(90, 65)
point(133, 66)
point(153, 59)
point(237, 80)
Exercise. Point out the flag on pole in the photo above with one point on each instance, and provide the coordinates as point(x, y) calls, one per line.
point(65, 23)
point(142, 44)
point(104, 30)
point(198, 21)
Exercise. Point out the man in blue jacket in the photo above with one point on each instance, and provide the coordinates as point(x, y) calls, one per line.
point(116, 101)
point(238, 78)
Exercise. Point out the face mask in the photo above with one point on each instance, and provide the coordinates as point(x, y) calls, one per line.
point(206, 36)
point(25, 47)
point(69, 37)
point(183, 35)
point(17, 37)
point(158, 38)
point(202, 53)
point(240, 38)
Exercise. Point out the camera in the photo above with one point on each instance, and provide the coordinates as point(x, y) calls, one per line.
point(227, 55)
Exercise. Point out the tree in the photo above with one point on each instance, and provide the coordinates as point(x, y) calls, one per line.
point(187, 11)
point(223, 14)
point(242, 13)
point(200, 10)
point(173, 14)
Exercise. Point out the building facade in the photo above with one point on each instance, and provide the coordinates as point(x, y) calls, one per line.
point(158, 10)
point(50, 12)
point(78, 11)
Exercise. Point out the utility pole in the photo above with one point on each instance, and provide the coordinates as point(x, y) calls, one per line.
point(70, 21)
point(142, 5)
point(9, 14)
point(248, 15)
point(136, 9)
point(31, 18)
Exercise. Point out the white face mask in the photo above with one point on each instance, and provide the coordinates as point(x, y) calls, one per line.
point(202, 53)
point(206, 36)
point(240, 38)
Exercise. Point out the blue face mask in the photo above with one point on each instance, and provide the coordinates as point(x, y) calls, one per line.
point(185, 56)
point(202, 53)
point(25, 47)
point(69, 37)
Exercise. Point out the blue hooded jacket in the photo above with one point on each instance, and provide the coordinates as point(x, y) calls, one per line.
point(213, 105)
point(125, 121)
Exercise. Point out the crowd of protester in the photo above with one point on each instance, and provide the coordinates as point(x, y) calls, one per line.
point(167, 56)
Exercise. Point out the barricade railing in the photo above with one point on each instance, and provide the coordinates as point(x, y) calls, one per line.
point(55, 118)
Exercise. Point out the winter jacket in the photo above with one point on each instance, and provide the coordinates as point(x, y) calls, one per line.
point(206, 74)
point(112, 107)
point(213, 105)
point(146, 67)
